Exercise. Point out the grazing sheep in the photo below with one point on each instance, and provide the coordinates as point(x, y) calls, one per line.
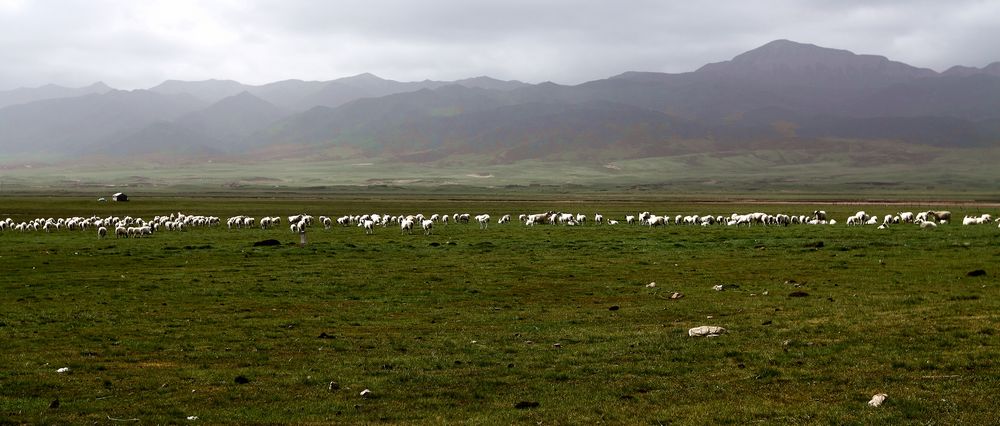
point(942, 216)
point(504, 219)
point(102, 232)
point(612, 222)
point(484, 221)
point(369, 226)
point(406, 226)
point(427, 225)
point(928, 225)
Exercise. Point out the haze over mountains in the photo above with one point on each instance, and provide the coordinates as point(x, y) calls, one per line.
point(783, 95)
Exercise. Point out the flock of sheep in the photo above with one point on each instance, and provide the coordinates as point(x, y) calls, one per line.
point(129, 227)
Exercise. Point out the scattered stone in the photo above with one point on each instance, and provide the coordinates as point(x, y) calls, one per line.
point(767, 322)
point(241, 380)
point(192, 418)
point(54, 404)
point(976, 273)
point(366, 393)
point(719, 287)
point(557, 345)
point(333, 386)
point(798, 294)
point(651, 285)
point(526, 404)
point(614, 308)
point(706, 331)
point(323, 335)
point(877, 400)
point(267, 243)
point(63, 370)
point(675, 295)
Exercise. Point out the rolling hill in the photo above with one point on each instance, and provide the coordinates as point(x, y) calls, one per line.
point(783, 95)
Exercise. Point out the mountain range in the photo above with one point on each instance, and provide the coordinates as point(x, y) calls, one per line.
point(784, 94)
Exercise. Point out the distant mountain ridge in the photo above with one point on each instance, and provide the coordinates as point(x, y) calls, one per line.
point(49, 91)
point(782, 94)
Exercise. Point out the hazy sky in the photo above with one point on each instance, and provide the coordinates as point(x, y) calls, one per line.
point(138, 43)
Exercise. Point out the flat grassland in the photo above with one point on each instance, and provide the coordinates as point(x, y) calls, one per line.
point(511, 324)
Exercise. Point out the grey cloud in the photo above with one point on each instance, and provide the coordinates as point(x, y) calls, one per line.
point(139, 44)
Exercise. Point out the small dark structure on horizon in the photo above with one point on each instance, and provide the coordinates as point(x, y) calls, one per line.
point(119, 196)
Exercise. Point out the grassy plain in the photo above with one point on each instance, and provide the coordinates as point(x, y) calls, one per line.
point(837, 170)
point(466, 324)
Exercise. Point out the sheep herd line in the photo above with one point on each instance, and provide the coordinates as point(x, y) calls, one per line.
point(130, 227)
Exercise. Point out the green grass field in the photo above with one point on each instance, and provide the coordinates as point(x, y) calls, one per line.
point(550, 325)
point(837, 170)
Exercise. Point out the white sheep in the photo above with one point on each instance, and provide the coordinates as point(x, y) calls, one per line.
point(484, 220)
point(102, 232)
point(406, 226)
point(427, 225)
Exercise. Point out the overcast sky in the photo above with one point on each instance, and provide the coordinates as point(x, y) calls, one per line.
point(132, 44)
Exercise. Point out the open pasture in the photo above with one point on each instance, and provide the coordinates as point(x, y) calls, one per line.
point(511, 324)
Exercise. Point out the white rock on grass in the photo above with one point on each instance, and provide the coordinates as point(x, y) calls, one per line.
point(651, 285)
point(719, 287)
point(877, 400)
point(706, 331)
point(63, 370)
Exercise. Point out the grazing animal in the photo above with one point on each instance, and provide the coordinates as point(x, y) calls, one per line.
point(427, 225)
point(942, 216)
point(484, 221)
